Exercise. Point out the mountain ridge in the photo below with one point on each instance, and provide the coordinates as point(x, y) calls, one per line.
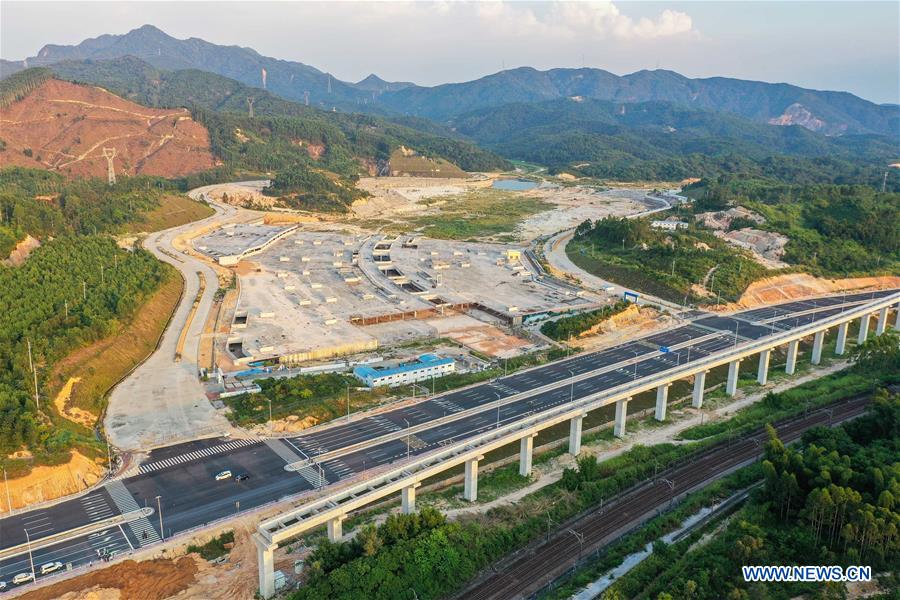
point(829, 112)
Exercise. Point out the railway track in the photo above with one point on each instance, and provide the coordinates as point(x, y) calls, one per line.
point(526, 572)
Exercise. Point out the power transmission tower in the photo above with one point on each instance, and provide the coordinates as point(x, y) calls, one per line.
point(109, 154)
point(250, 105)
point(329, 84)
point(306, 98)
point(884, 182)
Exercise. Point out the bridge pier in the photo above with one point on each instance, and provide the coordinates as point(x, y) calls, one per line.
point(408, 499)
point(470, 490)
point(791, 364)
point(699, 384)
point(526, 452)
point(881, 325)
point(841, 345)
point(336, 528)
point(863, 329)
point(621, 412)
point(265, 560)
point(818, 342)
point(897, 317)
point(731, 385)
point(762, 375)
point(662, 396)
point(575, 435)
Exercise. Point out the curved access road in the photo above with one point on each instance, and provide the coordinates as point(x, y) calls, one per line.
point(163, 401)
point(555, 253)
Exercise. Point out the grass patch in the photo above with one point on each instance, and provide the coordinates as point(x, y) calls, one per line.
point(480, 213)
point(422, 166)
point(776, 406)
point(628, 276)
point(171, 212)
point(215, 547)
point(103, 363)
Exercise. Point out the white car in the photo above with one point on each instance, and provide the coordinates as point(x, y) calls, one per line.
point(22, 578)
point(51, 567)
point(223, 475)
point(2, 585)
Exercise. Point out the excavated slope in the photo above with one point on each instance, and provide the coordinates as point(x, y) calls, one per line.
point(64, 127)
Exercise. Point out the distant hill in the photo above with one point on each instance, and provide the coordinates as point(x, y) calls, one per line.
point(286, 78)
point(831, 113)
point(368, 138)
point(662, 140)
point(63, 127)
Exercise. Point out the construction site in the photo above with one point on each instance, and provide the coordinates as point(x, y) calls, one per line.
point(314, 295)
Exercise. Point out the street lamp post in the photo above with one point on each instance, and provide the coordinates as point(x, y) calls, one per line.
point(571, 385)
point(162, 532)
point(30, 557)
point(348, 401)
point(407, 440)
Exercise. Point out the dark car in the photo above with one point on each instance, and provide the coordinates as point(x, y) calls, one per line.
point(242, 477)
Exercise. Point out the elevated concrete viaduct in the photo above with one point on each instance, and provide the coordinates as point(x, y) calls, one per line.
point(333, 507)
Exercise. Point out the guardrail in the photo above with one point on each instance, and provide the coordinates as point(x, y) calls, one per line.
point(62, 536)
point(500, 402)
point(335, 505)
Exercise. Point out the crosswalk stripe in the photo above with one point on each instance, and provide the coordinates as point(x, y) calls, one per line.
point(141, 528)
point(195, 455)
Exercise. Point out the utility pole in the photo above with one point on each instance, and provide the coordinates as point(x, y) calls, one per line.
point(8, 497)
point(37, 397)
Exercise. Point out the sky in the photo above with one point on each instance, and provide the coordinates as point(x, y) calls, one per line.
point(846, 46)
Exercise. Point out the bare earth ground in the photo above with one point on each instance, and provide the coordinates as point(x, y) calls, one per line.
point(20, 253)
point(66, 126)
point(801, 285)
point(574, 205)
point(47, 483)
point(400, 196)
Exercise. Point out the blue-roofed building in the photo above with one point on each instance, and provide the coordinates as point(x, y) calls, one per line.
point(423, 368)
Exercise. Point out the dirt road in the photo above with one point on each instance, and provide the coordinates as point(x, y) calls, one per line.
point(163, 401)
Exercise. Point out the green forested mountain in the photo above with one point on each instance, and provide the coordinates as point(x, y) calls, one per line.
point(834, 113)
point(665, 141)
point(77, 287)
point(355, 134)
point(834, 230)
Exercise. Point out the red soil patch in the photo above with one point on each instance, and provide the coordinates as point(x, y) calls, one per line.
point(65, 126)
point(148, 580)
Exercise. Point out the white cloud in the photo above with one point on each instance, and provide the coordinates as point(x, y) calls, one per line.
point(600, 18)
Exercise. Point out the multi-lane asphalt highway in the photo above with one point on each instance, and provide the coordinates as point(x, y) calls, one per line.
point(180, 480)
